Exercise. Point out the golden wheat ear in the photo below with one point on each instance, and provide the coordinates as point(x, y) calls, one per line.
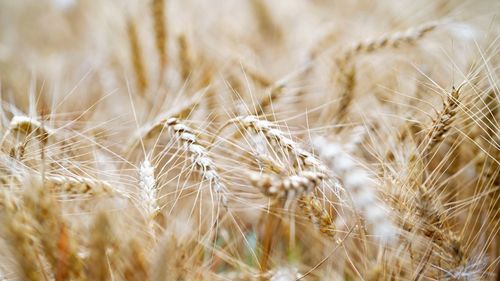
point(275, 136)
point(318, 214)
point(148, 195)
point(100, 244)
point(58, 245)
point(137, 58)
point(158, 10)
point(136, 267)
point(28, 126)
point(19, 232)
point(441, 124)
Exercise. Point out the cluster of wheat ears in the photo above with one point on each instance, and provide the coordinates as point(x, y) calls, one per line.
point(249, 140)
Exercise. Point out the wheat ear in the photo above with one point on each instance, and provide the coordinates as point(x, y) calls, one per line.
point(347, 80)
point(136, 56)
point(158, 11)
point(17, 230)
point(317, 213)
point(28, 125)
point(289, 187)
point(346, 65)
point(153, 128)
point(199, 156)
point(357, 181)
point(81, 185)
point(441, 125)
point(100, 241)
point(147, 193)
point(57, 246)
point(266, 24)
point(395, 40)
point(276, 136)
point(136, 268)
point(185, 59)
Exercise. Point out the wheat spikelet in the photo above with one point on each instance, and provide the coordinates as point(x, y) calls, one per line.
point(198, 152)
point(136, 56)
point(430, 219)
point(158, 11)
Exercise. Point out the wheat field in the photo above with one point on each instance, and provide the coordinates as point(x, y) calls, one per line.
point(249, 140)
